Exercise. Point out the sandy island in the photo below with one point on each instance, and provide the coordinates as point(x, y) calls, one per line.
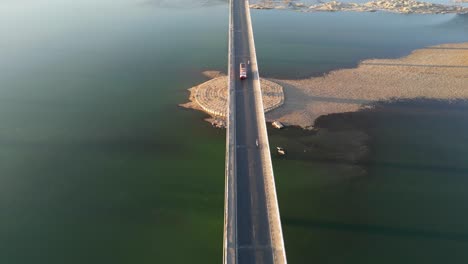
point(437, 72)
point(211, 97)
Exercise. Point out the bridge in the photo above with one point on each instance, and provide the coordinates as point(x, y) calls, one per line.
point(252, 225)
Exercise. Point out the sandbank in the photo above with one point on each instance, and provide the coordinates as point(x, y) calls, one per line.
point(437, 72)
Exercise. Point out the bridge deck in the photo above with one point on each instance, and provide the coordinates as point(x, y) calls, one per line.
point(248, 224)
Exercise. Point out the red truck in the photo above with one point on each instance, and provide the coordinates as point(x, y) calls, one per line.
point(243, 71)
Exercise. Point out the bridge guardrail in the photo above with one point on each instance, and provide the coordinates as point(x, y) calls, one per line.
point(276, 233)
point(230, 236)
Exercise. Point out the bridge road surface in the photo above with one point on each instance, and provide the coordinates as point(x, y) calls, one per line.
point(253, 229)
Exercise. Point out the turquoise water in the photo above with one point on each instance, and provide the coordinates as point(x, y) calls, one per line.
point(99, 164)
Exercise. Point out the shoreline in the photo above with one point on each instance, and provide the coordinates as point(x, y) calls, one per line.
point(392, 6)
point(421, 74)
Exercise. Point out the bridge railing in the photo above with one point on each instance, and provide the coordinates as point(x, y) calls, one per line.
point(230, 212)
point(276, 233)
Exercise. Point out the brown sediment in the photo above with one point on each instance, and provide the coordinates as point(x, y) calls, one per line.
point(437, 72)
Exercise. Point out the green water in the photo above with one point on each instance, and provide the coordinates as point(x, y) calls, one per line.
point(405, 203)
point(99, 165)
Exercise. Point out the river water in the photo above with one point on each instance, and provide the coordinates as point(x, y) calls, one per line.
point(98, 164)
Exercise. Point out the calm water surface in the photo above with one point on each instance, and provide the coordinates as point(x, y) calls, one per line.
point(99, 165)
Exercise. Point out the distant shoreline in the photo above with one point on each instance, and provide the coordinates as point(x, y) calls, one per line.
point(393, 6)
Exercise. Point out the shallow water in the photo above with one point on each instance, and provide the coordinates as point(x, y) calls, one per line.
point(404, 203)
point(99, 165)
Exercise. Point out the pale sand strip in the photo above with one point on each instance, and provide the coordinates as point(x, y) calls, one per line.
point(439, 72)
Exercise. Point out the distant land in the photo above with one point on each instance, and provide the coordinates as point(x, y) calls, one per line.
point(437, 72)
point(394, 6)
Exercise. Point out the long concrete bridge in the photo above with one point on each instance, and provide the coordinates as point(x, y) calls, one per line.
point(252, 226)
